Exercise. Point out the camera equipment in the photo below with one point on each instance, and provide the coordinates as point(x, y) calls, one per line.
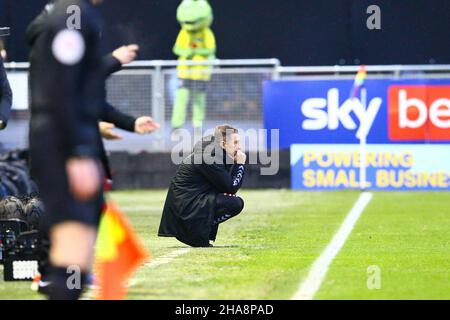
point(21, 260)
point(10, 231)
point(19, 244)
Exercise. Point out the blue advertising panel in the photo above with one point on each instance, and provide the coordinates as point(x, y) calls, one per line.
point(316, 111)
point(389, 167)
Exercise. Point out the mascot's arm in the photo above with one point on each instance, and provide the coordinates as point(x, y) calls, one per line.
point(209, 50)
point(182, 46)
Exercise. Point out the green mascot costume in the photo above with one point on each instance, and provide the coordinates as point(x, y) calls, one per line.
point(195, 42)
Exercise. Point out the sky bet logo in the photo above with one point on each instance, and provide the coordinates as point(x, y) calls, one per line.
point(414, 113)
point(419, 112)
point(327, 113)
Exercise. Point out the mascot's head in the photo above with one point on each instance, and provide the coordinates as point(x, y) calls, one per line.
point(194, 15)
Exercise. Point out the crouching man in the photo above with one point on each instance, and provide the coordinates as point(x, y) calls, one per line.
point(202, 195)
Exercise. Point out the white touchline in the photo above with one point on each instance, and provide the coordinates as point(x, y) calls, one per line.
point(158, 262)
point(166, 258)
point(319, 269)
point(153, 264)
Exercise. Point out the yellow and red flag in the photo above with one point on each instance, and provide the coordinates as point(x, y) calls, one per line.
point(119, 253)
point(359, 81)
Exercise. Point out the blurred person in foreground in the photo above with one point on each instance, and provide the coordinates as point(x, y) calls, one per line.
point(5, 91)
point(106, 112)
point(202, 195)
point(66, 98)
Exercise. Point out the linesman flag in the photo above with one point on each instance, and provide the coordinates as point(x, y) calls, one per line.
point(359, 81)
point(119, 253)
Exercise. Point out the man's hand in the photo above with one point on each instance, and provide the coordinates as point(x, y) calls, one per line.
point(145, 125)
point(126, 54)
point(84, 178)
point(106, 130)
point(240, 157)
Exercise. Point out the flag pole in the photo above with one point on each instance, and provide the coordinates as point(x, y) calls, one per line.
point(363, 147)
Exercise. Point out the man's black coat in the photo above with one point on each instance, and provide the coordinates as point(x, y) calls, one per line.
point(190, 204)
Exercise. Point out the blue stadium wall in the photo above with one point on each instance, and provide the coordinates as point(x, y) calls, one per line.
point(298, 32)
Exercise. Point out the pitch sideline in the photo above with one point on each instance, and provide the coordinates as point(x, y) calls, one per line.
point(165, 259)
point(319, 269)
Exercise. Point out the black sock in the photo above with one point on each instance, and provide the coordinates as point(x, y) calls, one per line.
point(64, 284)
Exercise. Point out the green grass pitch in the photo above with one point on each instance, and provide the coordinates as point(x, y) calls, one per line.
point(265, 252)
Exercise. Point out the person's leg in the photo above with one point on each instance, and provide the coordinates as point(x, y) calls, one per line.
point(199, 104)
point(180, 106)
point(71, 258)
point(44, 285)
point(73, 238)
point(70, 231)
point(227, 207)
point(70, 225)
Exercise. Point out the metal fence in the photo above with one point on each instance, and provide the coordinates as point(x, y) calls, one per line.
point(373, 72)
point(234, 94)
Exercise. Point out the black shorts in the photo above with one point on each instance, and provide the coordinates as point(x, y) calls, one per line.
point(48, 167)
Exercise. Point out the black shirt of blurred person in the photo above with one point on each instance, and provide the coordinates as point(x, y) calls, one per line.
point(5, 97)
point(66, 102)
point(202, 195)
point(108, 66)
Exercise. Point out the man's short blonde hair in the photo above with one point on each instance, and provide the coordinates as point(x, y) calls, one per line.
point(222, 132)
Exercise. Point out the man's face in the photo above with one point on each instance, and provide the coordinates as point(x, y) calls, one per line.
point(232, 144)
